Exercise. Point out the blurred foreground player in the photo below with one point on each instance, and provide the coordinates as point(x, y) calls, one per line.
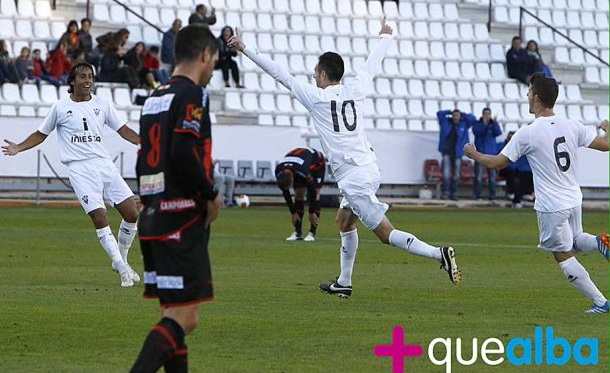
point(303, 170)
point(551, 144)
point(337, 112)
point(175, 176)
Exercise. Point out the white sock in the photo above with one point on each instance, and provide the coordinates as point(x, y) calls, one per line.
point(410, 243)
point(349, 246)
point(579, 277)
point(585, 243)
point(127, 232)
point(112, 248)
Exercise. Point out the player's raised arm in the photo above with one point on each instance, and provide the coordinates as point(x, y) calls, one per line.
point(496, 162)
point(305, 93)
point(601, 142)
point(31, 141)
point(373, 62)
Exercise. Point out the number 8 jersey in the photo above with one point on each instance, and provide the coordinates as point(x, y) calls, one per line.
point(337, 111)
point(551, 147)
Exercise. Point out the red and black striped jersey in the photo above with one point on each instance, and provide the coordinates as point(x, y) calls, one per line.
point(174, 166)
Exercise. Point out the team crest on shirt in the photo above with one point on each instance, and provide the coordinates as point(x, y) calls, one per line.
point(96, 111)
point(86, 199)
point(69, 113)
point(193, 112)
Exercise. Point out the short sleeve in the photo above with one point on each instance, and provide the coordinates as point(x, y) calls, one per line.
point(114, 120)
point(517, 146)
point(585, 136)
point(50, 121)
point(190, 112)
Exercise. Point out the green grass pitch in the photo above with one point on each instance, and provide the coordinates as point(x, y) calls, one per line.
point(62, 309)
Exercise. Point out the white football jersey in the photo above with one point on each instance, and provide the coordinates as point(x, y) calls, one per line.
point(79, 127)
point(551, 146)
point(337, 110)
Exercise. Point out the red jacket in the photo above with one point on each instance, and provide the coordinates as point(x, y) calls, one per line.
point(58, 64)
point(150, 62)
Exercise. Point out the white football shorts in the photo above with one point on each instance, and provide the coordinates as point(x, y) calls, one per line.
point(558, 229)
point(95, 180)
point(359, 188)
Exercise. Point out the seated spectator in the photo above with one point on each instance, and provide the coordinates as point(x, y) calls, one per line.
point(225, 184)
point(518, 62)
point(112, 71)
point(201, 16)
point(452, 138)
point(70, 38)
point(8, 74)
point(59, 64)
point(225, 59)
point(24, 66)
point(40, 72)
point(167, 44)
point(518, 175)
point(151, 62)
point(113, 41)
point(538, 65)
point(485, 132)
point(85, 40)
point(135, 58)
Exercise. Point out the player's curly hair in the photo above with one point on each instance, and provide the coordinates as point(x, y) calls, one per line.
point(75, 70)
point(546, 89)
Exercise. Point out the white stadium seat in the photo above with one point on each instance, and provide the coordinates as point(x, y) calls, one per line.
point(26, 9)
point(48, 94)
point(10, 92)
point(23, 29)
point(432, 88)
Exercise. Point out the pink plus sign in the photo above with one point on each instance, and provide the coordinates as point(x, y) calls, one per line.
point(398, 350)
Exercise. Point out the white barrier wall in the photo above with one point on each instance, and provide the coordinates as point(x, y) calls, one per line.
point(401, 154)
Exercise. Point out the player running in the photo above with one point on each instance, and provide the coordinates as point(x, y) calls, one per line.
point(551, 144)
point(79, 119)
point(303, 170)
point(337, 110)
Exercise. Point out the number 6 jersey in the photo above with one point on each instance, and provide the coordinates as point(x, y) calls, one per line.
point(337, 110)
point(551, 147)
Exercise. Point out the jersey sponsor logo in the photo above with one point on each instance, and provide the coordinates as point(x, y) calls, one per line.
point(85, 138)
point(152, 184)
point(296, 160)
point(193, 112)
point(156, 105)
point(170, 282)
point(96, 111)
point(86, 199)
point(191, 125)
point(176, 205)
point(69, 113)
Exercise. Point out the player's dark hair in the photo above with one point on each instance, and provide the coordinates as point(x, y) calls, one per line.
point(192, 40)
point(75, 70)
point(546, 89)
point(332, 64)
point(284, 180)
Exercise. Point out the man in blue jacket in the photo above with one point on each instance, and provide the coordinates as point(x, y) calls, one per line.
point(518, 62)
point(485, 132)
point(167, 44)
point(453, 136)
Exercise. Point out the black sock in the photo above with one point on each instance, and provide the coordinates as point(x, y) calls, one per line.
point(179, 362)
point(314, 228)
point(299, 206)
point(159, 346)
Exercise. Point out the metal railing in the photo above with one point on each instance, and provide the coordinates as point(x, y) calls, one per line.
point(132, 12)
point(522, 10)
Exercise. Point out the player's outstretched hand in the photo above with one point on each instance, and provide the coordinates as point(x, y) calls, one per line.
point(385, 28)
point(10, 149)
point(213, 209)
point(235, 42)
point(469, 150)
point(603, 125)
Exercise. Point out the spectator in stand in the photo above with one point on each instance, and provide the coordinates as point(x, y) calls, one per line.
point(201, 16)
point(113, 41)
point(24, 66)
point(167, 45)
point(453, 136)
point(518, 62)
point(85, 40)
point(225, 59)
point(485, 132)
point(151, 62)
point(8, 74)
point(70, 38)
point(135, 58)
point(225, 184)
point(59, 64)
point(538, 65)
point(40, 72)
point(112, 71)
